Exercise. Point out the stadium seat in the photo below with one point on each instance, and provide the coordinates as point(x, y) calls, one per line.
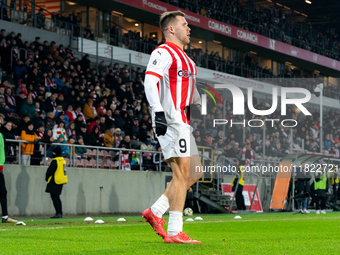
point(93, 163)
point(104, 166)
point(101, 154)
point(67, 161)
point(91, 153)
point(79, 163)
point(114, 164)
point(107, 155)
point(87, 163)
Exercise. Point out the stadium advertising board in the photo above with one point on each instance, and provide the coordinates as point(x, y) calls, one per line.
point(235, 32)
point(248, 192)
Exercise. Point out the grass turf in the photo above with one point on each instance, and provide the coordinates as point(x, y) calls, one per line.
point(274, 233)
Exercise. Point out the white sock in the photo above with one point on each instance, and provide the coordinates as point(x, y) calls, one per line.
point(175, 223)
point(160, 206)
point(5, 217)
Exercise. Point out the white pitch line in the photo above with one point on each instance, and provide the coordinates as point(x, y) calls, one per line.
point(32, 228)
point(195, 222)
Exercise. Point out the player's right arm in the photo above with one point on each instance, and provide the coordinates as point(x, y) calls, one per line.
point(160, 61)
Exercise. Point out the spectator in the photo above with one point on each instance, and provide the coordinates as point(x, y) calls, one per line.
point(27, 149)
point(85, 62)
point(37, 151)
point(59, 130)
point(81, 150)
point(247, 154)
point(135, 160)
point(47, 138)
point(3, 106)
point(51, 103)
point(19, 69)
point(89, 110)
point(9, 133)
point(125, 143)
point(148, 164)
point(70, 113)
point(40, 20)
point(234, 151)
point(95, 122)
point(28, 108)
point(10, 101)
point(64, 149)
point(159, 157)
point(118, 137)
point(71, 130)
point(208, 142)
point(102, 125)
point(50, 121)
point(72, 154)
point(101, 109)
point(94, 138)
point(109, 139)
point(119, 122)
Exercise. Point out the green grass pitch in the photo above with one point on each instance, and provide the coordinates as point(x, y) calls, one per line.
point(274, 233)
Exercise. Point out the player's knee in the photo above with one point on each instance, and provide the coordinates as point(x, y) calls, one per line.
point(183, 175)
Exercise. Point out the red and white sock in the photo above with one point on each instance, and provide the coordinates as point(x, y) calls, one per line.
point(160, 206)
point(175, 223)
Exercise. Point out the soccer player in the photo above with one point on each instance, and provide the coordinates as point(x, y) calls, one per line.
point(170, 87)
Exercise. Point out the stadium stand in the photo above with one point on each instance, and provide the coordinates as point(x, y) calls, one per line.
point(274, 22)
point(66, 89)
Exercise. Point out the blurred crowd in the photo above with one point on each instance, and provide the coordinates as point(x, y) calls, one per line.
point(272, 22)
point(268, 22)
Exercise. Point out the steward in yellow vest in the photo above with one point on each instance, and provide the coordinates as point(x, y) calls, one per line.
point(240, 171)
point(238, 193)
point(320, 187)
point(334, 177)
point(56, 177)
point(334, 181)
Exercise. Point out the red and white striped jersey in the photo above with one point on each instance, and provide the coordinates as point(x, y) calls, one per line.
point(176, 87)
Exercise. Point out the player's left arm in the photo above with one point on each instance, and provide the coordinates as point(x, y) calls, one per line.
point(159, 63)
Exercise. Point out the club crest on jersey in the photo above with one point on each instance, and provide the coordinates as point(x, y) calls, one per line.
point(154, 62)
point(185, 73)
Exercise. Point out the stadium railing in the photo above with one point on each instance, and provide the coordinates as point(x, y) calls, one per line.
point(104, 157)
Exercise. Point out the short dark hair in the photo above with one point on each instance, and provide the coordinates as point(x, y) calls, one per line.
point(168, 17)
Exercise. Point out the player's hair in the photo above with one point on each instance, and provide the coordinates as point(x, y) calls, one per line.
point(167, 17)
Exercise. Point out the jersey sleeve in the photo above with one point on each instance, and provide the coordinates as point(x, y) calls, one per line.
point(151, 92)
point(159, 62)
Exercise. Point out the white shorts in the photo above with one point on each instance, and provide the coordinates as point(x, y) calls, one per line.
point(183, 146)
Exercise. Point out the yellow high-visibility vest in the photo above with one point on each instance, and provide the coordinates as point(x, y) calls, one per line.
point(241, 181)
point(334, 177)
point(60, 175)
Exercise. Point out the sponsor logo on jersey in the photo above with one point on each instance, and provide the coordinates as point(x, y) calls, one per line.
point(184, 73)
